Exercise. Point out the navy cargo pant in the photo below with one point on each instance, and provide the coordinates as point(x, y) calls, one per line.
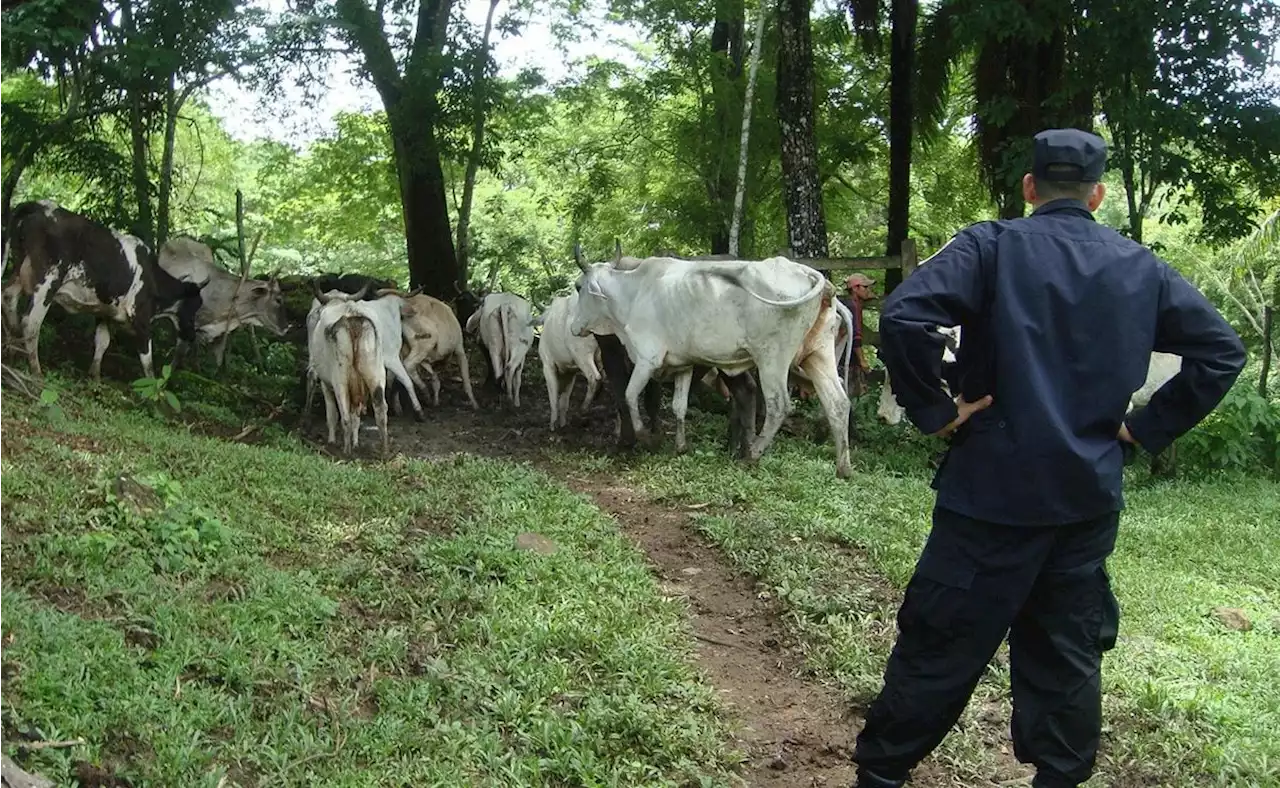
point(1047, 588)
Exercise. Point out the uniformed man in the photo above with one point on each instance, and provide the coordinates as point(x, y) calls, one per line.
point(1060, 316)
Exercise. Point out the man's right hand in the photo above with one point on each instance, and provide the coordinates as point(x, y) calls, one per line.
point(1125, 435)
point(966, 409)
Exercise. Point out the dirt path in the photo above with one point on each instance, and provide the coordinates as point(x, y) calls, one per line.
point(795, 732)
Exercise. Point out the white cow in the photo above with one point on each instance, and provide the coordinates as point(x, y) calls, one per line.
point(733, 315)
point(432, 334)
point(505, 322)
point(562, 355)
point(228, 303)
point(345, 355)
point(385, 312)
point(1160, 371)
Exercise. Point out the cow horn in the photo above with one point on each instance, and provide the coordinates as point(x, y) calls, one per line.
point(386, 291)
point(617, 250)
point(577, 257)
point(415, 291)
point(320, 296)
point(363, 291)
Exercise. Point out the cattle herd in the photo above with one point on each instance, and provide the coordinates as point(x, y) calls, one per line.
point(755, 327)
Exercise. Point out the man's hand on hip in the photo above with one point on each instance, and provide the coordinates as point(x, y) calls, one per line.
point(966, 409)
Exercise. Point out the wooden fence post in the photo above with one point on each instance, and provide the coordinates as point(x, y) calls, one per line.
point(909, 259)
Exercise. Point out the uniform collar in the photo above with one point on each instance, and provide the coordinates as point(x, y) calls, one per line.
point(1065, 204)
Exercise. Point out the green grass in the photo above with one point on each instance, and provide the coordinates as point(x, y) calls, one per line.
point(1188, 702)
point(282, 619)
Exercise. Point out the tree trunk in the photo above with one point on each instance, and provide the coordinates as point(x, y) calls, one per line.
point(726, 71)
point(143, 226)
point(477, 145)
point(172, 103)
point(412, 111)
point(806, 224)
point(901, 119)
point(739, 194)
point(428, 237)
point(1268, 318)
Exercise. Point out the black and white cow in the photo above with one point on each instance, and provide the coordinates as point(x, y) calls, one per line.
point(62, 257)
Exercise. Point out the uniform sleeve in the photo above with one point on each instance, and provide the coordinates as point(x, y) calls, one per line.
point(946, 290)
point(1190, 326)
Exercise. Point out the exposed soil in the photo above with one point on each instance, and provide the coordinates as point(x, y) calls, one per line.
point(794, 731)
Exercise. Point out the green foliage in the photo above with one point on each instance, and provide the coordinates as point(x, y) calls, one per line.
point(177, 533)
point(1240, 434)
point(156, 390)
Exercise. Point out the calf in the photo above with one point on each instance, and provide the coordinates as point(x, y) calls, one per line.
point(562, 354)
point(431, 334)
point(888, 410)
point(505, 324)
point(65, 258)
point(345, 356)
point(228, 302)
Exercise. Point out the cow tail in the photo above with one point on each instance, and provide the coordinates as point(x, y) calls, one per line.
point(355, 341)
point(498, 355)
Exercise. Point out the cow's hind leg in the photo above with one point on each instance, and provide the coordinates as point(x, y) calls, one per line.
point(330, 410)
point(10, 295)
point(680, 407)
point(461, 356)
point(568, 382)
point(40, 301)
point(396, 368)
point(835, 404)
point(380, 416)
point(101, 341)
point(435, 383)
point(552, 379)
point(773, 384)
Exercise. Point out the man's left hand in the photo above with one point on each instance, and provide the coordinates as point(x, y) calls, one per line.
point(967, 409)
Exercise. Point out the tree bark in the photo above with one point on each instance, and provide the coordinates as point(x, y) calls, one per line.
point(143, 225)
point(171, 106)
point(428, 236)
point(901, 120)
point(412, 111)
point(726, 71)
point(1268, 319)
point(477, 146)
point(739, 194)
point(806, 224)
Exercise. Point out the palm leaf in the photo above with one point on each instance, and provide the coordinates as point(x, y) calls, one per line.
point(937, 52)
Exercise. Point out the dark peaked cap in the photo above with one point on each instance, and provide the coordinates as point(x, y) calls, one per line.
point(1069, 155)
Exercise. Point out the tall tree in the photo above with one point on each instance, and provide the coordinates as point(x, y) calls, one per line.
point(408, 68)
point(806, 223)
point(726, 76)
point(479, 75)
point(740, 191)
point(1019, 51)
point(1179, 87)
point(903, 16)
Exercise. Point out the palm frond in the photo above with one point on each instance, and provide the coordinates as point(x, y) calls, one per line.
point(938, 50)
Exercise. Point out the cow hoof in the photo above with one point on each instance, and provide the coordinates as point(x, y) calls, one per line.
point(419, 416)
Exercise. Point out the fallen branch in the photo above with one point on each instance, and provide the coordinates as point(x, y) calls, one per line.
point(248, 430)
point(713, 641)
point(49, 745)
point(15, 777)
point(22, 382)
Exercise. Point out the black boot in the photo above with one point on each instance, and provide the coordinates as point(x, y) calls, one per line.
point(867, 779)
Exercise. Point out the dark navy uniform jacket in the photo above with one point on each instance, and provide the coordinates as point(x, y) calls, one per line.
point(1060, 315)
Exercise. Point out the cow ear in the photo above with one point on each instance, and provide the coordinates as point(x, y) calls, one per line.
point(593, 288)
